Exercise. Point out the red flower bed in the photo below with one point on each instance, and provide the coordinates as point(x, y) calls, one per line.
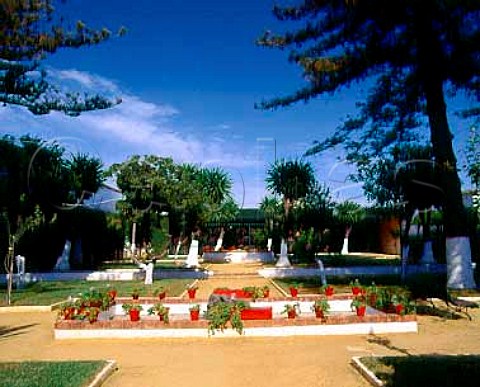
point(256, 313)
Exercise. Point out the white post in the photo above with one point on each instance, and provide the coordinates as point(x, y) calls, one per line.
point(134, 232)
point(192, 259)
point(283, 259)
point(459, 269)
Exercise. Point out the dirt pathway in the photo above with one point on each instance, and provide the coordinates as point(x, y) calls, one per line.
point(233, 362)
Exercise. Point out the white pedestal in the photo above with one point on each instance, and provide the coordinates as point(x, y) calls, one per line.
point(283, 259)
point(459, 263)
point(192, 259)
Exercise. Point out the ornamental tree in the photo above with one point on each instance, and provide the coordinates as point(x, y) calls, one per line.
point(412, 51)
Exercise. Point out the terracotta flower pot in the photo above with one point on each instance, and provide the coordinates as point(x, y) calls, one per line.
point(355, 290)
point(162, 295)
point(191, 293)
point(134, 315)
point(292, 313)
point(319, 313)
point(361, 311)
point(294, 292)
point(194, 315)
point(329, 291)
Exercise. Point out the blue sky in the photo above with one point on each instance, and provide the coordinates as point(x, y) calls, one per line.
point(189, 75)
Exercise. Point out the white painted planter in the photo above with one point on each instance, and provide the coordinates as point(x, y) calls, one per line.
point(459, 263)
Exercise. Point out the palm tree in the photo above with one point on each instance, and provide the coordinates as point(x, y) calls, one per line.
point(348, 213)
point(292, 179)
point(86, 175)
point(272, 208)
point(216, 185)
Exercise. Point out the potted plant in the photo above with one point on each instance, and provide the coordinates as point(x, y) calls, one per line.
point(161, 311)
point(135, 294)
point(328, 290)
point(294, 290)
point(92, 313)
point(95, 298)
point(360, 305)
point(402, 304)
point(112, 293)
point(192, 289)
point(220, 314)
point(266, 291)
point(194, 312)
point(68, 310)
point(160, 292)
point(292, 310)
point(133, 310)
point(356, 287)
point(372, 293)
point(321, 307)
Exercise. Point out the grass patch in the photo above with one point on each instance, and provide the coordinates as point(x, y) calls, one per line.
point(159, 265)
point(43, 373)
point(339, 260)
point(50, 292)
point(426, 370)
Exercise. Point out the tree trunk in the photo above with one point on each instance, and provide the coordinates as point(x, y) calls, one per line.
point(458, 254)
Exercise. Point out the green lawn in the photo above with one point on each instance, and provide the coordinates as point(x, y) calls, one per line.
point(159, 265)
point(427, 370)
point(339, 260)
point(52, 374)
point(48, 293)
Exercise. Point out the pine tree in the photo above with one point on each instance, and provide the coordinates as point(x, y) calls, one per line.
point(412, 51)
point(29, 32)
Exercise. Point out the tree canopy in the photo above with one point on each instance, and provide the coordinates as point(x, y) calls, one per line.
point(413, 52)
point(410, 50)
point(189, 193)
point(29, 31)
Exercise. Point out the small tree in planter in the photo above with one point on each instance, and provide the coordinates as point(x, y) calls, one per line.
point(135, 294)
point(402, 304)
point(372, 293)
point(192, 289)
point(161, 311)
point(292, 310)
point(160, 292)
point(356, 287)
point(294, 290)
point(321, 308)
point(194, 312)
point(266, 291)
point(219, 314)
point(360, 305)
point(112, 293)
point(133, 310)
point(328, 290)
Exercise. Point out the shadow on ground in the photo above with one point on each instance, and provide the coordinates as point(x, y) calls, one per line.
point(7, 331)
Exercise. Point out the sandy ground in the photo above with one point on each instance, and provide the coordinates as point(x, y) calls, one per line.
point(233, 362)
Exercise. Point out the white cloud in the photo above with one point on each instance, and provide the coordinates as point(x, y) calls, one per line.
point(139, 127)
